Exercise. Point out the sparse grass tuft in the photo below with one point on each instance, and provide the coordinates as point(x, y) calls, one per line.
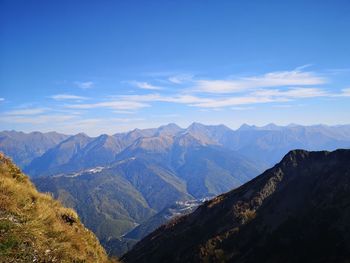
point(247, 215)
point(36, 228)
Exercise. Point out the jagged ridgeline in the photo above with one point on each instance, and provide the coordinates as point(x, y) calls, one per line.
point(36, 228)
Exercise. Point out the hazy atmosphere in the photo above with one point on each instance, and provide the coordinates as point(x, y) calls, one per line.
point(175, 131)
point(83, 66)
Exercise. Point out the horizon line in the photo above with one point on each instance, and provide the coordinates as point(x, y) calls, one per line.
point(243, 125)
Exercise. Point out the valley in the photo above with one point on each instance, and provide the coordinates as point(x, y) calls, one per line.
point(124, 186)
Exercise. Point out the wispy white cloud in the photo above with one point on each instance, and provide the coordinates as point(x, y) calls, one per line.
point(233, 101)
point(273, 87)
point(67, 97)
point(344, 93)
point(254, 97)
point(2, 99)
point(198, 101)
point(145, 85)
point(283, 106)
point(269, 80)
point(303, 67)
point(84, 84)
point(37, 119)
point(180, 78)
point(264, 96)
point(124, 112)
point(29, 111)
point(293, 93)
point(238, 108)
point(155, 97)
point(114, 105)
point(96, 126)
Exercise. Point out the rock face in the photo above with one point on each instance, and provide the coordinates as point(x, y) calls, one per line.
point(297, 211)
point(36, 228)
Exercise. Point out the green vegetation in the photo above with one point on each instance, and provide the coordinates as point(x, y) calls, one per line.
point(36, 228)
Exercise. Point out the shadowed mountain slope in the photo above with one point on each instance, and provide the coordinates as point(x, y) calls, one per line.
point(297, 211)
point(119, 246)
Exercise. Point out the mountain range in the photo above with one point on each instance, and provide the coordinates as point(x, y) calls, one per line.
point(52, 153)
point(113, 199)
point(297, 211)
point(122, 181)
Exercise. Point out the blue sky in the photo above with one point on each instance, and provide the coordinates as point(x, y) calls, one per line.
point(111, 66)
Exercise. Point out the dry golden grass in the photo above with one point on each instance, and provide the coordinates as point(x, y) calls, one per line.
point(36, 228)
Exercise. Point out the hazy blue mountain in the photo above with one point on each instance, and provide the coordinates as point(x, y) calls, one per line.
point(200, 168)
point(211, 170)
point(118, 182)
point(152, 174)
point(297, 211)
point(211, 134)
point(60, 159)
point(81, 151)
point(265, 145)
point(24, 147)
point(170, 129)
point(159, 183)
point(159, 186)
point(268, 144)
point(128, 138)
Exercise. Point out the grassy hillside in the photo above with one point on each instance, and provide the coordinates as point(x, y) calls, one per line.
point(108, 205)
point(36, 228)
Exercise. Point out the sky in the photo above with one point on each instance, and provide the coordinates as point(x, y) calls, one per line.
point(108, 66)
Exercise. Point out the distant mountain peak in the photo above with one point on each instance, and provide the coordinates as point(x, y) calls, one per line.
point(196, 125)
point(293, 125)
point(270, 125)
point(170, 125)
point(81, 134)
point(169, 129)
point(245, 127)
point(76, 138)
point(103, 137)
point(153, 144)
